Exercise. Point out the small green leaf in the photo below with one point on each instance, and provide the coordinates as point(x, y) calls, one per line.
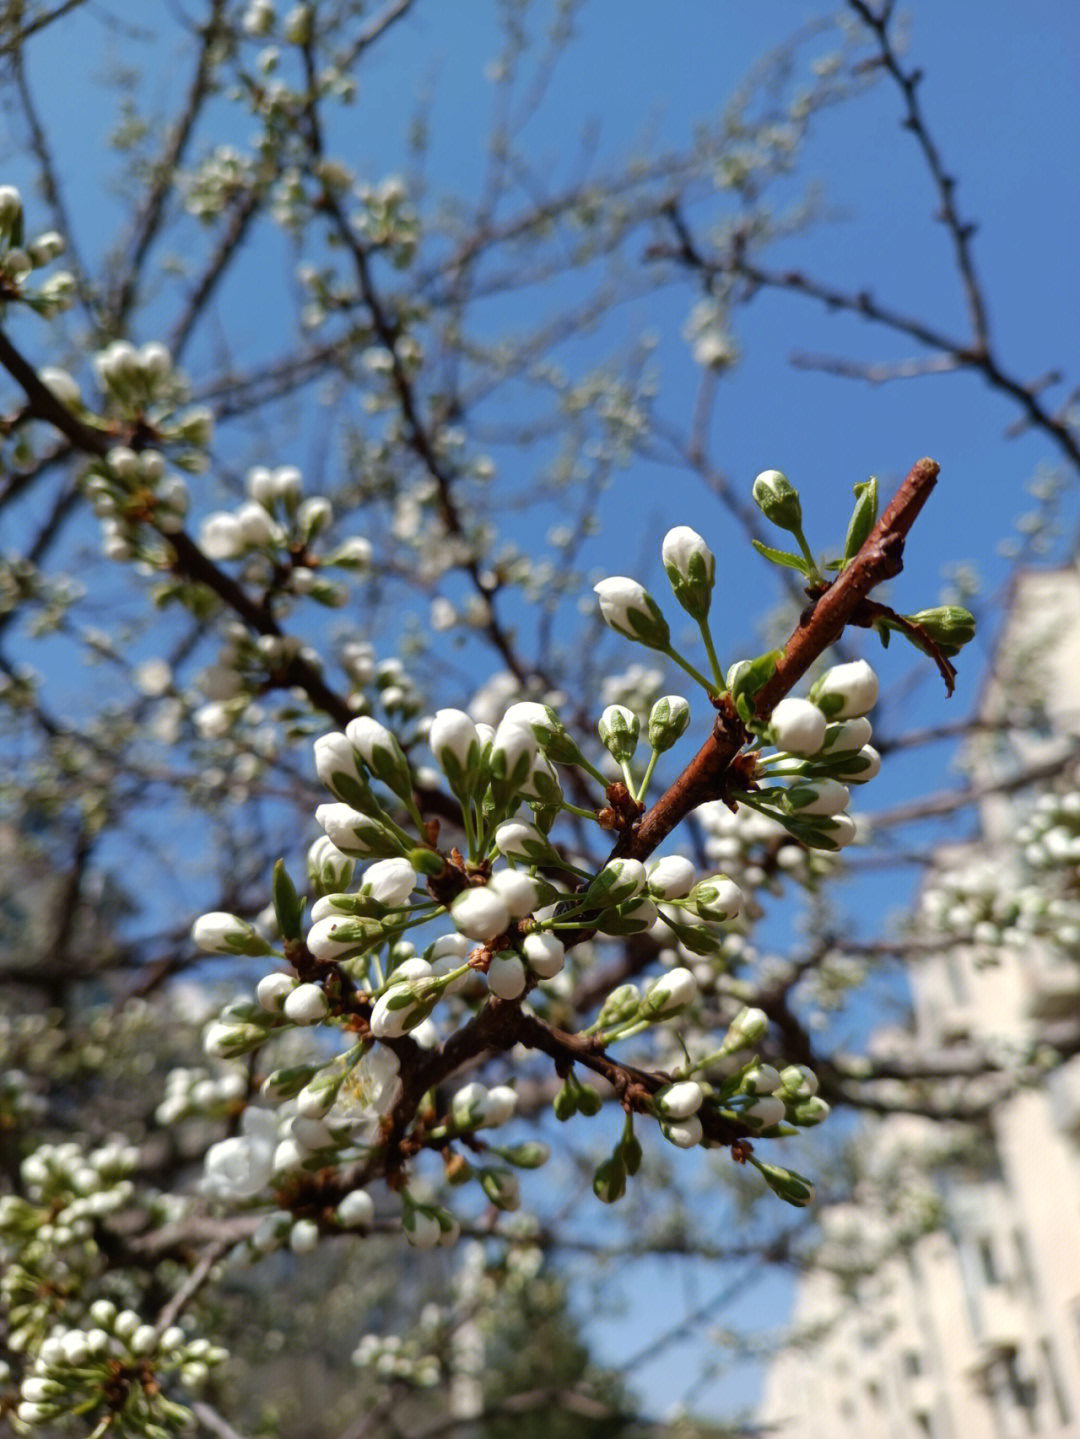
point(862, 517)
point(746, 677)
point(782, 557)
point(288, 906)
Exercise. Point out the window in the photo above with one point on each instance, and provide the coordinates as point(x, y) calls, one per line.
point(1053, 1376)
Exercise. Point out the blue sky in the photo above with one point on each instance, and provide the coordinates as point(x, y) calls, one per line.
point(1000, 96)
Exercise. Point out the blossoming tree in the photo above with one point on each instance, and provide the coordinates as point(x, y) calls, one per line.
point(479, 917)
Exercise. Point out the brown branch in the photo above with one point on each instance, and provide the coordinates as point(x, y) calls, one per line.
point(819, 626)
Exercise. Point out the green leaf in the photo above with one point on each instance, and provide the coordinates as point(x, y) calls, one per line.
point(782, 557)
point(862, 517)
point(288, 906)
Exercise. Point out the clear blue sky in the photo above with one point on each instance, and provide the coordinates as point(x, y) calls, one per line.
point(1000, 95)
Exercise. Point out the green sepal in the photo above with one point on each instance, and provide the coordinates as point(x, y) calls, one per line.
point(746, 677)
point(288, 906)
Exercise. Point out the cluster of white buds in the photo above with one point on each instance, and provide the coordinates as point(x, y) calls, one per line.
point(496, 913)
point(20, 1103)
point(389, 1356)
point(128, 489)
point(223, 176)
point(135, 378)
point(196, 1093)
point(822, 747)
point(20, 257)
point(757, 851)
point(1018, 894)
point(51, 1228)
point(277, 520)
point(115, 1369)
point(143, 386)
point(387, 219)
point(77, 1183)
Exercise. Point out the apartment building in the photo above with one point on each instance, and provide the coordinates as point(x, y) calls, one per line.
point(969, 1329)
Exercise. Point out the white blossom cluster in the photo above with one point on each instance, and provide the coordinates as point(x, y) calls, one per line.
point(133, 487)
point(410, 940)
point(275, 517)
point(221, 178)
point(195, 1092)
point(20, 257)
point(49, 1230)
point(1025, 892)
point(115, 1370)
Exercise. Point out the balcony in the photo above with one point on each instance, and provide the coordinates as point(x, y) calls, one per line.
point(1001, 1320)
point(1053, 987)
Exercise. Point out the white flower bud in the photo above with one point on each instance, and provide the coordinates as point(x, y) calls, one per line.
point(841, 829)
point(765, 1112)
point(679, 1101)
point(717, 898)
point(847, 691)
point(272, 989)
point(762, 1079)
point(870, 766)
point(10, 209)
point(668, 719)
point(630, 610)
point(381, 754)
point(222, 933)
point(256, 526)
point(848, 735)
point(823, 796)
point(671, 992)
point(356, 1210)
point(798, 727)
point(288, 484)
point(327, 865)
point(221, 536)
point(422, 1230)
point(144, 1340)
point(454, 741)
point(480, 913)
point(620, 879)
point(545, 954)
point(511, 760)
point(307, 1004)
point(335, 935)
point(517, 839)
point(354, 553)
point(304, 1236)
point(685, 1134)
point(392, 1011)
point(506, 976)
point(501, 1103)
point(519, 892)
point(691, 568)
point(748, 1026)
point(389, 881)
point(671, 877)
point(62, 385)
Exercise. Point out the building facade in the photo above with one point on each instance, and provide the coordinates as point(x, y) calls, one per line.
point(970, 1327)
